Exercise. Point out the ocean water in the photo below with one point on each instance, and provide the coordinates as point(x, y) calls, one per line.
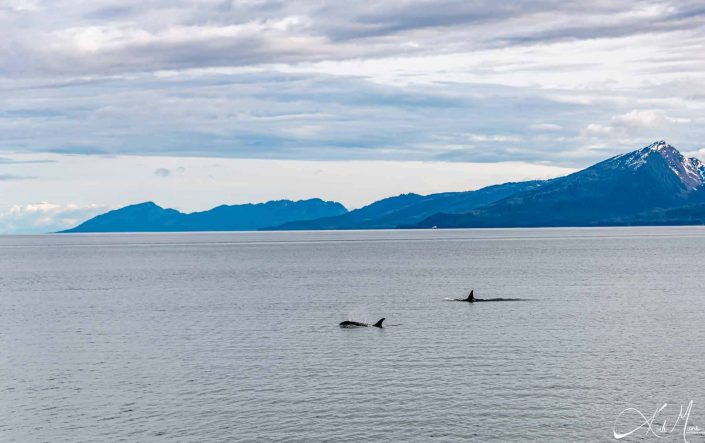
point(235, 337)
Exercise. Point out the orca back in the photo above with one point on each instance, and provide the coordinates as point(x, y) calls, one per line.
point(352, 324)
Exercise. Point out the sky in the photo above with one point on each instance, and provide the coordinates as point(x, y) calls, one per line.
point(196, 103)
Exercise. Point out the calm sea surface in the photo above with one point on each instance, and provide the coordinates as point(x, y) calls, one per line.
point(235, 337)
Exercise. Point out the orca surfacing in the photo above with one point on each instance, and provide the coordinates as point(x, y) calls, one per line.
point(471, 298)
point(357, 324)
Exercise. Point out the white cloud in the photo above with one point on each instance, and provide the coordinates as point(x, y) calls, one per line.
point(493, 138)
point(45, 217)
point(4, 177)
point(164, 172)
point(546, 127)
point(632, 123)
point(645, 119)
point(21, 5)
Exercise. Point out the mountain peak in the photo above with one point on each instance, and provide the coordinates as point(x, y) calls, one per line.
point(690, 171)
point(659, 146)
point(149, 204)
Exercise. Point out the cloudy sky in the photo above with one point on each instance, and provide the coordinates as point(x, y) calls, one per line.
point(194, 103)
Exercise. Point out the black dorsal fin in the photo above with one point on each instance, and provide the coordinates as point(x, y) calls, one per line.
point(471, 297)
point(379, 323)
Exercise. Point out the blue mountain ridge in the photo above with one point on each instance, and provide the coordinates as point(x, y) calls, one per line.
point(149, 217)
point(655, 185)
point(391, 212)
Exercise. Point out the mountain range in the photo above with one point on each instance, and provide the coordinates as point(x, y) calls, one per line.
point(655, 185)
point(149, 217)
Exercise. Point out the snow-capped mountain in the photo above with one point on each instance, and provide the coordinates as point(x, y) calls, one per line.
point(653, 178)
point(690, 171)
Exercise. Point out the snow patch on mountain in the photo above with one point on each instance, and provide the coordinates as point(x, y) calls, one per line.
point(690, 171)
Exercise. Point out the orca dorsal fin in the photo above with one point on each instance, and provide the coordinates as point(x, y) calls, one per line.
point(379, 323)
point(471, 297)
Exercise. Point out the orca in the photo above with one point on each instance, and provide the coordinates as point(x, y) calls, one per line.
point(471, 298)
point(357, 324)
